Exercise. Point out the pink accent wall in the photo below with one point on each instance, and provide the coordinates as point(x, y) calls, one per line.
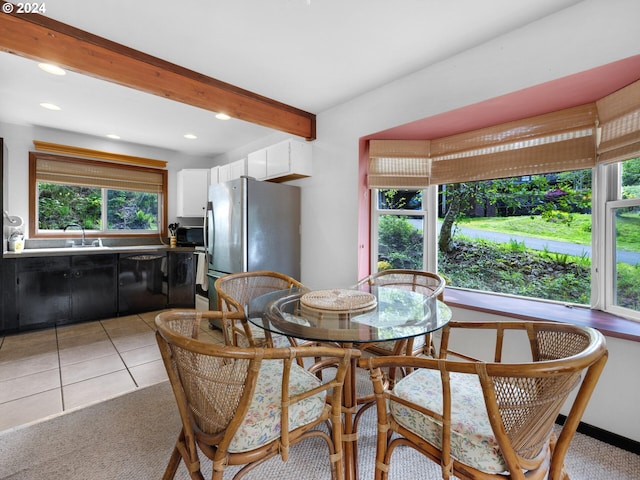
point(566, 92)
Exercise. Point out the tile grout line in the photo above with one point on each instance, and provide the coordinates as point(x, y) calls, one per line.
point(120, 354)
point(59, 368)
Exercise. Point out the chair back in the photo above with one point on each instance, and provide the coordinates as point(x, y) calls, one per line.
point(427, 283)
point(212, 384)
point(214, 387)
point(522, 400)
point(236, 290)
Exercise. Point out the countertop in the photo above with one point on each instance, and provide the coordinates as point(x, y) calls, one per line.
point(59, 251)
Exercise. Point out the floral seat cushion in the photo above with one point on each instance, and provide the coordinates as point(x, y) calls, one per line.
point(262, 422)
point(472, 439)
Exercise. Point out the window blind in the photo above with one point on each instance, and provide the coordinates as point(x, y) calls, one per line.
point(557, 141)
point(399, 164)
point(619, 116)
point(72, 171)
point(553, 142)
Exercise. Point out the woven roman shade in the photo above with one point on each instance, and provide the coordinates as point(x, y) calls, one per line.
point(619, 116)
point(554, 142)
point(70, 171)
point(399, 164)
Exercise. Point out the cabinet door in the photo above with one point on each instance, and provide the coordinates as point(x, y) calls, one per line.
point(9, 295)
point(43, 291)
point(192, 188)
point(257, 164)
point(224, 173)
point(93, 287)
point(278, 160)
point(238, 168)
point(214, 175)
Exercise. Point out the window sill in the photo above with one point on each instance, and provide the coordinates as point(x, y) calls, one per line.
point(525, 309)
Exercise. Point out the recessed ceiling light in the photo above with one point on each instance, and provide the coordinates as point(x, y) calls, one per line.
point(53, 69)
point(114, 136)
point(50, 106)
point(222, 116)
point(190, 136)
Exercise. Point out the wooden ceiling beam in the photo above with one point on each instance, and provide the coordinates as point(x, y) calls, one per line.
point(43, 39)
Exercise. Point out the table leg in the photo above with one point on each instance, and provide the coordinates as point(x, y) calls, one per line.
point(349, 408)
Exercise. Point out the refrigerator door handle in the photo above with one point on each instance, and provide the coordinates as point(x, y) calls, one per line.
point(208, 227)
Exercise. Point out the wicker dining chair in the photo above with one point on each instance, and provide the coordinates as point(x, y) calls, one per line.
point(242, 406)
point(427, 283)
point(235, 291)
point(490, 419)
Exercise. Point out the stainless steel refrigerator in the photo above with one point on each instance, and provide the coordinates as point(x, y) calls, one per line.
point(251, 225)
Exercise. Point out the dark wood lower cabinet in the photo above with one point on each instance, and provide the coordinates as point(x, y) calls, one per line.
point(93, 287)
point(59, 290)
point(68, 289)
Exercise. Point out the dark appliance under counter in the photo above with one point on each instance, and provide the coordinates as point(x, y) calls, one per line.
point(142, 283)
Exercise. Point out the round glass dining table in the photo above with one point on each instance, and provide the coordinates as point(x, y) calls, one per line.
point(373, 314)
point(349, 317)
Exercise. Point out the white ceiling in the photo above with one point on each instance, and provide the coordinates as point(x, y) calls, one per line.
point(310, 54)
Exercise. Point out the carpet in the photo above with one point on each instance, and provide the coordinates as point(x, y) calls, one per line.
point(132, 436)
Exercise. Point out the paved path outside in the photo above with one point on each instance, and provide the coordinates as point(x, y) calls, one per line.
point(632, 258)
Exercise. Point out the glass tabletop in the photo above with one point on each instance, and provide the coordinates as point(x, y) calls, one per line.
point(347, 315)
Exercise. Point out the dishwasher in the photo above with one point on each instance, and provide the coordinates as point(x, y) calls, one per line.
point(142, 281)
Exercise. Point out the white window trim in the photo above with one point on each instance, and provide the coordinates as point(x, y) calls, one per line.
point(611, 259)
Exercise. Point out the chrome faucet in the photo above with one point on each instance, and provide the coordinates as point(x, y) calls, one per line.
point(78, 226)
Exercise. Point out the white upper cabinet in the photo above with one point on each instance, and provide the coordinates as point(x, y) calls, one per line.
point(238, 168)
point(281, 162)
point(231, 170)
point(192, 191)
point(257, 164)
point(214, 175)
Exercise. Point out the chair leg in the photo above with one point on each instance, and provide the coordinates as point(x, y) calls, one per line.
point(180, 452)
point(172, 467)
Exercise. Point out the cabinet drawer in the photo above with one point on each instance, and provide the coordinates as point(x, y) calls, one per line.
point(44, 264)
point(97, 261)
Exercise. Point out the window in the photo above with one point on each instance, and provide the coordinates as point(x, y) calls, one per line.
point(399, 225)
point(528, 236)
point(105, 199)
point(623, 241)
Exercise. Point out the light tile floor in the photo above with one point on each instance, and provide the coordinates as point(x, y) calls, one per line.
point(46, 372)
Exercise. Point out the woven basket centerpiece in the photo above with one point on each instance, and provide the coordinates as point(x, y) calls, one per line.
point(338, 300)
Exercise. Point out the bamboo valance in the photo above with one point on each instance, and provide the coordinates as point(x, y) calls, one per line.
point(553, 142)
point(399, 163)
point(557, 141)
point(619, 115)
point(71, 171)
